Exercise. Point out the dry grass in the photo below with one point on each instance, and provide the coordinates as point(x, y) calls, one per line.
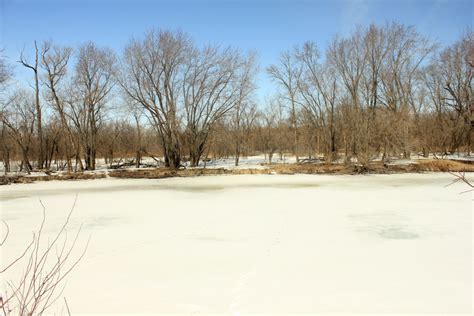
point(310, 168)
point(159, 173)
point(66, 176)
point(375, 168)
point(439, 165)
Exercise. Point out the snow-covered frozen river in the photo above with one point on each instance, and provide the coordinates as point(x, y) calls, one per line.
point(258, 244)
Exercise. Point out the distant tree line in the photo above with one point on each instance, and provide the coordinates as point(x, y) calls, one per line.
point(382, 91)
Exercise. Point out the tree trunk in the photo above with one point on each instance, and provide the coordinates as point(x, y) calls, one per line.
point(26, 162)
point(6, 162)
point(195, 155)
point(237, 153)
point(138, 158)
point(39, 117)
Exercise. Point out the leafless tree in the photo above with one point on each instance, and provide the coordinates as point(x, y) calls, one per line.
point(347, 57)
point(399, 79)
point(242, 136)
point(152, 76)
point(34, 66)
point(287, 74)
point(19, 117)
point(93, 81)
point(5, 136)
point(46, 266)
point(378, 71)
point(244, 112)
point(318, 89)
point(140, 149)
point(54, 61)
point(455, 66)
point(461, 177)
point(273, 129)
point(5, 71)
point(7, 145)
point(380, 91)
point(213, 85)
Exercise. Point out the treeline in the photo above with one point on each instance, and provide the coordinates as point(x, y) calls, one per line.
point(383, 91)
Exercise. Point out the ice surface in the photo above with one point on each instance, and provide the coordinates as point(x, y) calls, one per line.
point(258, 244)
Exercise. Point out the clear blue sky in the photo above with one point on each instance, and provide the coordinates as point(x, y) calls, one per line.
point(266, 26)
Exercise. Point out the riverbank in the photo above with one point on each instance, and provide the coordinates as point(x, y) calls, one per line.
point(415, 166)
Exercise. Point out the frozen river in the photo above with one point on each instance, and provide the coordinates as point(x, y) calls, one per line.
point(255, 244)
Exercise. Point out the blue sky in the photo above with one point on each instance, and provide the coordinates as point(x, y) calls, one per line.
point(268, 27)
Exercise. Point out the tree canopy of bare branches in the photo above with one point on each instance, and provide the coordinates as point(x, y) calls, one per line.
point(381, 91)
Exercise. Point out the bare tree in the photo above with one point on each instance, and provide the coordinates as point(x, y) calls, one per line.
point(244, 112)
point(152, 76)
point(54, 61)
point(248, 121)
point(5, 137)
point(377, 46)
point(93, 81)
point(272, 129)
point(318, 89)
point(378, 92)
point(137, 113)
point(461, 177)
point(347, 57)
point(6, 145)
point(287, 74)
point(19, 117)
point(268, 124)
point(455, 67)
point(5, 71)
point(378, 71)
point(34, 67)
point(46, 268)
point(213, 85)
point(398, 81)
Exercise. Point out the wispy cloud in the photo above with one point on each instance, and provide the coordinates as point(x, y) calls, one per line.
point(354, 12)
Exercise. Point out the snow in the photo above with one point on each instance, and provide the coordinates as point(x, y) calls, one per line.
point(258, 244)
point(245, 162)
point(250, 162)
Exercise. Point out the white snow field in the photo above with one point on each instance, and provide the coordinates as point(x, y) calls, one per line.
point(257, 244)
